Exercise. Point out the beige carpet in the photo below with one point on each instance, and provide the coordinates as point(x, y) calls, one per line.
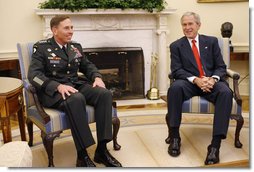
point(142, 140)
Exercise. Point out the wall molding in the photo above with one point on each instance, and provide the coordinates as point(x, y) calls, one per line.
point(241, 47)
point(8, 54)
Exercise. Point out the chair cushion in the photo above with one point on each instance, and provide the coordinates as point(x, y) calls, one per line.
point(58, 119)
point(199, 104)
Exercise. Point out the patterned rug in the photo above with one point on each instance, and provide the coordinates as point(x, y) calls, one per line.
point(142, 140)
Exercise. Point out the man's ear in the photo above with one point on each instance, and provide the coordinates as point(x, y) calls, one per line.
point(54, 30)
point(199, 24)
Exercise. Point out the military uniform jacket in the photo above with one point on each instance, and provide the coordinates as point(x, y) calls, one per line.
point(50, 67)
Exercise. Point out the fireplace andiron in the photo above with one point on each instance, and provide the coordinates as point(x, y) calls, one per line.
point(153, 93)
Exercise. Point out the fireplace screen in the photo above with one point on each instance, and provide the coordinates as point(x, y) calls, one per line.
point(122, 69)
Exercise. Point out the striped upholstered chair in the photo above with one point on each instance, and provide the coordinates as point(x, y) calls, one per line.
point(51, 122)
point(200, 105)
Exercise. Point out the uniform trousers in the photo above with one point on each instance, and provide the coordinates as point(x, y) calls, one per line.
point(221, 96)
point(75, 108)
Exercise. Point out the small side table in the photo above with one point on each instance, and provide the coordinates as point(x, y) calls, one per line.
point(11, 102)
point(10, 67)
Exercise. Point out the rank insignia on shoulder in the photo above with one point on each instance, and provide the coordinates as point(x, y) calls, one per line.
point(43, 41)
point(74, 42)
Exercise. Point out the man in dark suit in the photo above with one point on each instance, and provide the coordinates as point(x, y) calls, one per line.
point(54, 73)
point(198, 69)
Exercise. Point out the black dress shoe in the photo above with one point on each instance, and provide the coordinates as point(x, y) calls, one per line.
point(107, 159)
point(212, 155)
point(85, 162)
point(174, 147)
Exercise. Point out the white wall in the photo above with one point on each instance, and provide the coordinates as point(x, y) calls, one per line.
point(19, 23)
point(212, 16)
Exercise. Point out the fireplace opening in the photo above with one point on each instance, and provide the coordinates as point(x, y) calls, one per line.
point(122, 69)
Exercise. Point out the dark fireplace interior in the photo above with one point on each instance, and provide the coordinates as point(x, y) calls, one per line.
point(122, 69)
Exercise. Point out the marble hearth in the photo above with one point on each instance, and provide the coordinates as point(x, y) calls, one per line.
point(121, 28)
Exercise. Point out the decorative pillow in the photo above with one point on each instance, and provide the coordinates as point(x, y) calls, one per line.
point(16, 154)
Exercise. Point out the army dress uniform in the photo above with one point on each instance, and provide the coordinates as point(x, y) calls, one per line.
point(50, 66)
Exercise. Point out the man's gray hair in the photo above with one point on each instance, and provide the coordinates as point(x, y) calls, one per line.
point(195, 15)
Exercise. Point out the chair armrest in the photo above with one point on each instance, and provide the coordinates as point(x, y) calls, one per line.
point(29, 88)
point(235, 76)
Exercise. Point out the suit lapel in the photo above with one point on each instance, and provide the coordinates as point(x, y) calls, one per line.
point(188, 52)
point(203, 51)
point(71, 53)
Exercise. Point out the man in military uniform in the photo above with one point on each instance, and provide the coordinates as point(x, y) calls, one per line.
point(54, 73)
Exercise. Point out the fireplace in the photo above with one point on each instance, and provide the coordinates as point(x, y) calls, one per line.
point(122, 69)
point(95, 28)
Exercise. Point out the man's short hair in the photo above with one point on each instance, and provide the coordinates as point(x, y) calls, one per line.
point(57, 19)
point(196, 16)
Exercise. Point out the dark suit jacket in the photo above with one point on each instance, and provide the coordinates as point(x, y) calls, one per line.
point(50, 67)
point(183, 63)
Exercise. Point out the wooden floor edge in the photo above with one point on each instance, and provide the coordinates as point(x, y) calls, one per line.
point(240, 164)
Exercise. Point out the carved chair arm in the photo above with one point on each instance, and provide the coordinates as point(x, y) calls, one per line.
point(30, 89)
point(235, 76)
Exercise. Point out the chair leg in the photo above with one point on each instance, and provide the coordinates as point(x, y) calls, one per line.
point(29, 124)
point(168, 138)
point(239, 124)
point(48, 140)
point(116, 126)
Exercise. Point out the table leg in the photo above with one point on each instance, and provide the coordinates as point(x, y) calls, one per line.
point(21, 119)
point(6, 129)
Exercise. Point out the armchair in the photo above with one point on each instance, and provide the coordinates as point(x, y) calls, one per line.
point(198, 104)
point(51, 122)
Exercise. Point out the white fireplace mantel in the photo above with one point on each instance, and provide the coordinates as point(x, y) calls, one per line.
point(101, 12)
point(121, 28)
